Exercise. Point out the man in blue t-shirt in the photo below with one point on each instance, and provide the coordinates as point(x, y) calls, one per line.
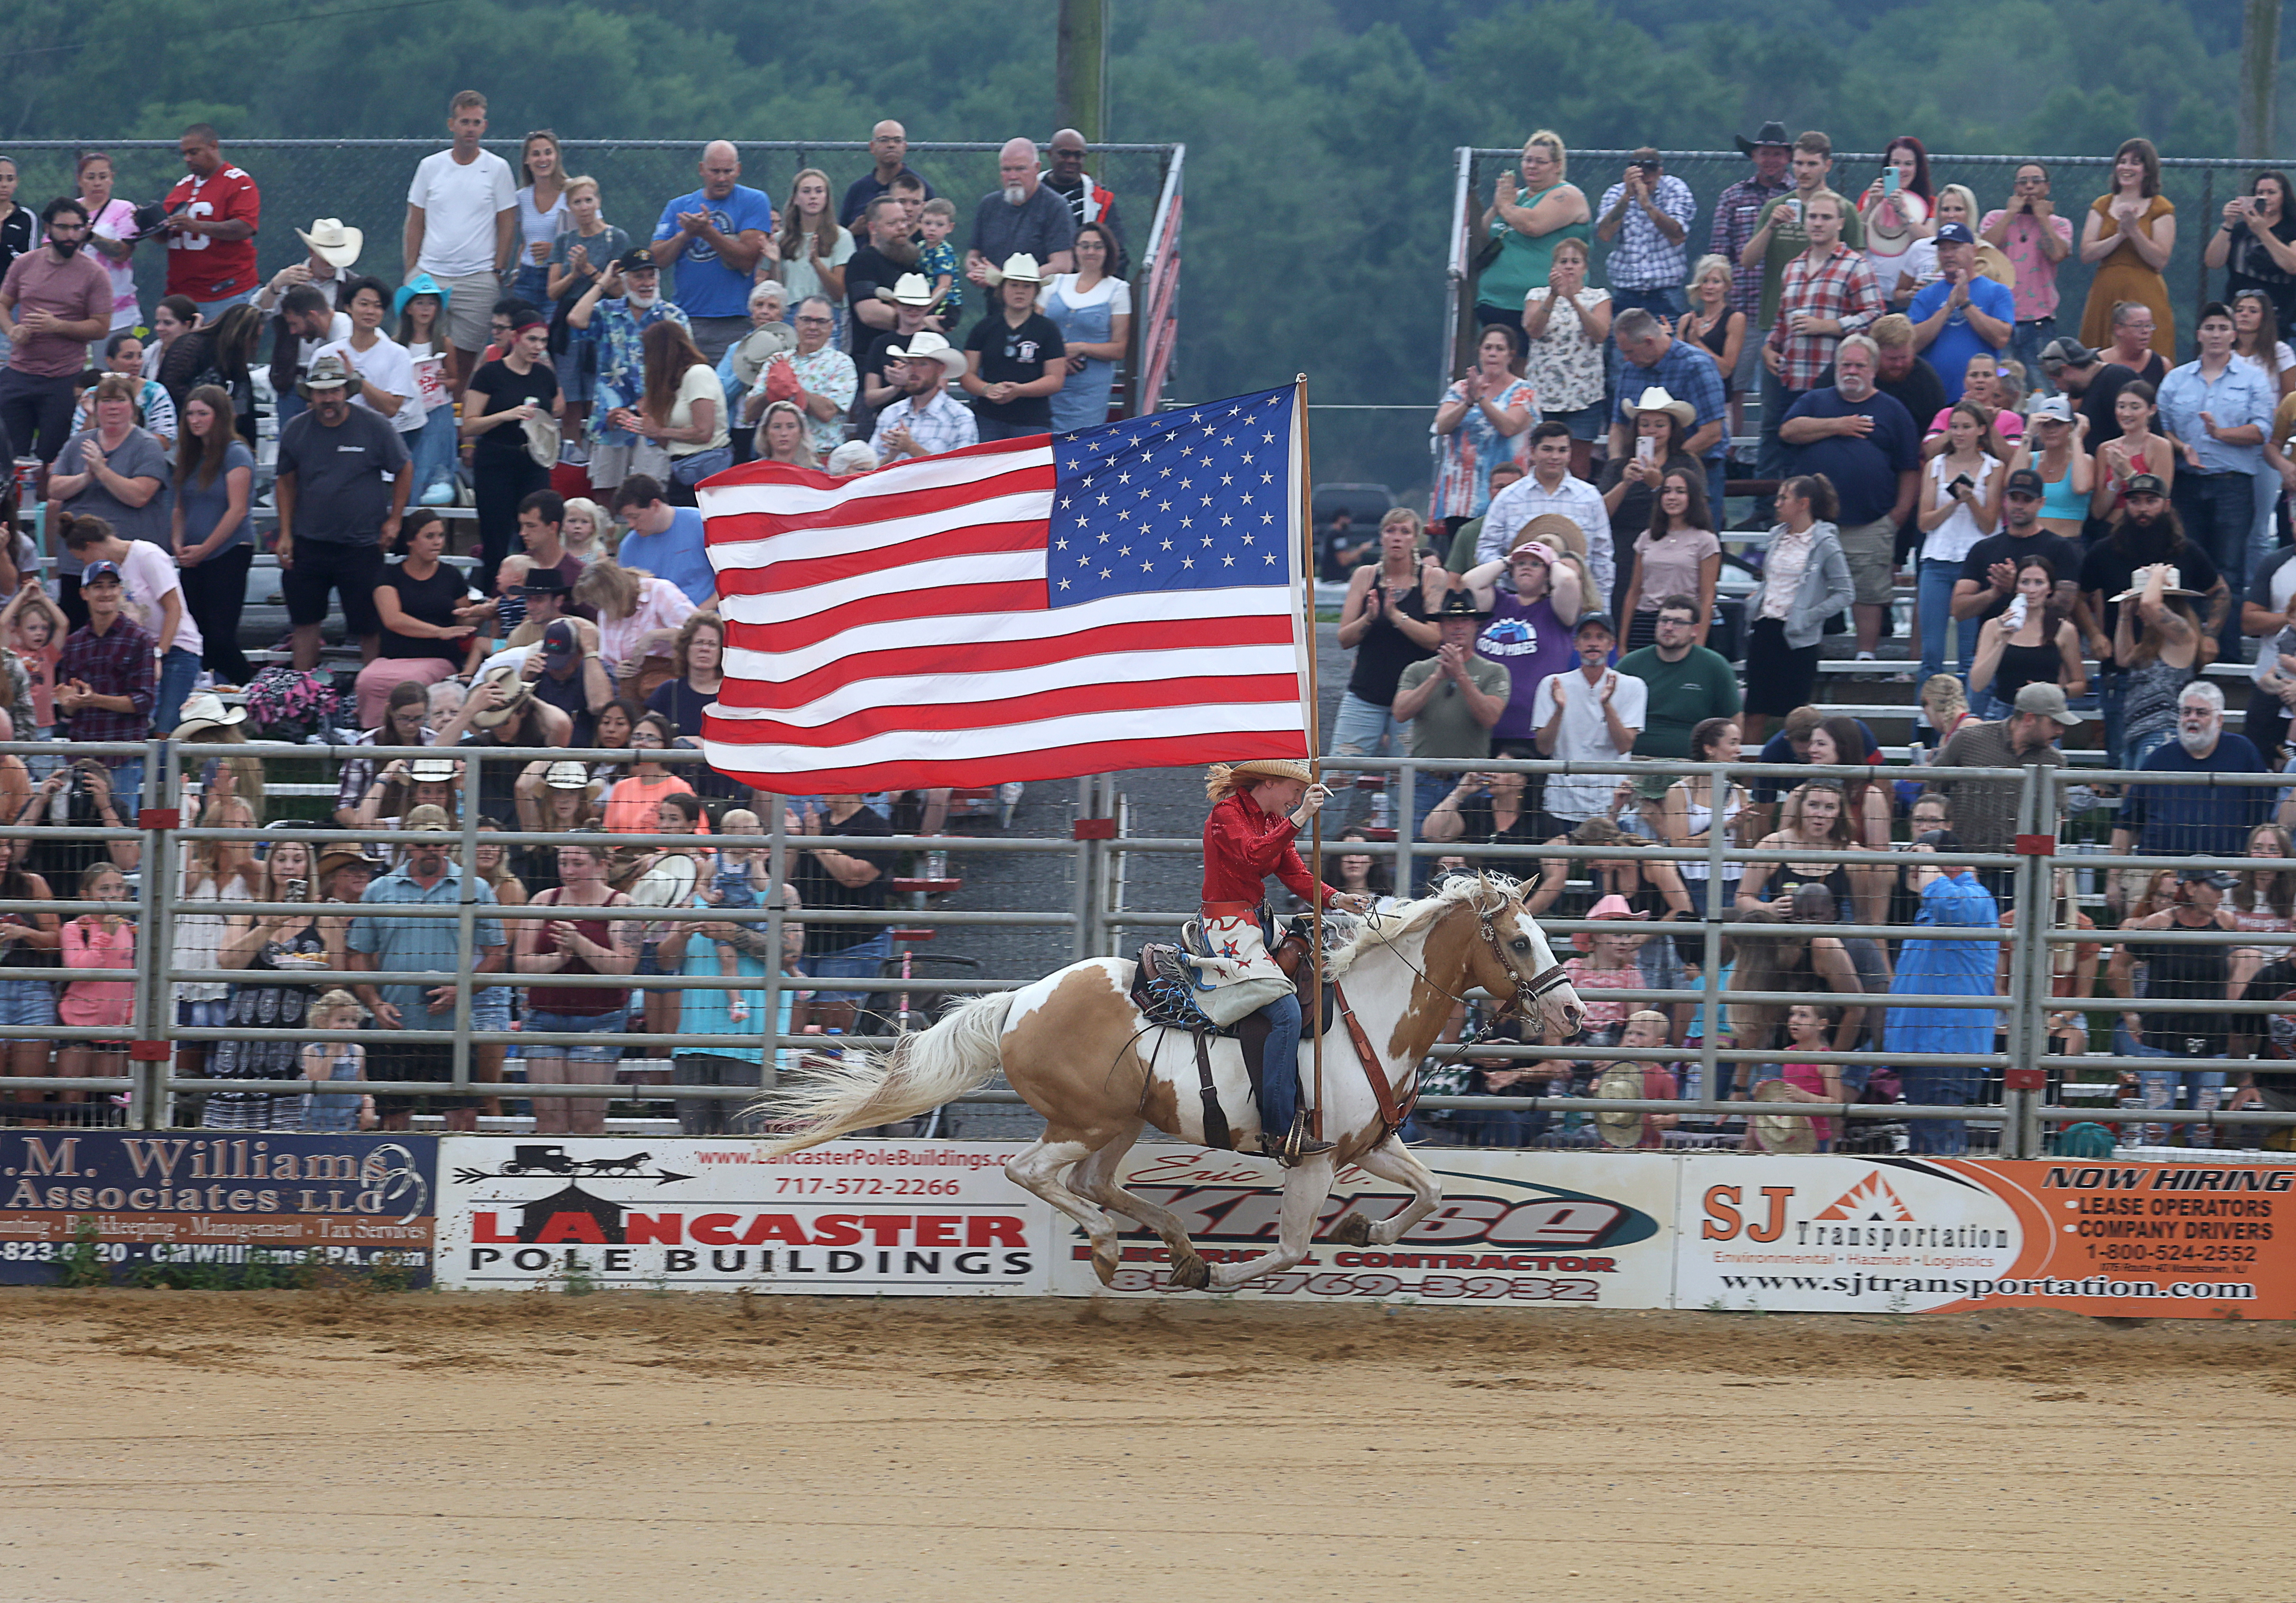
point(666, 541)
point(2192, 820)
point(714, 239)
point(1960, 316)
point(1869, 447)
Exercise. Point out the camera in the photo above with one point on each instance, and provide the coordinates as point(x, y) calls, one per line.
point(299, 890)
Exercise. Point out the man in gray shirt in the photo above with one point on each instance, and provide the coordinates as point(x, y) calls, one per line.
point(1023, 216)
point(342, 488)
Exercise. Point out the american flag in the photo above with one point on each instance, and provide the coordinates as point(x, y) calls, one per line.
point(1125, 596)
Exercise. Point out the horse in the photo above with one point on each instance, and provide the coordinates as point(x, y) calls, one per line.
point(1079, 1052)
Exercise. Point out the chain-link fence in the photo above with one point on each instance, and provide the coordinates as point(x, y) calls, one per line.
point(2198, 188)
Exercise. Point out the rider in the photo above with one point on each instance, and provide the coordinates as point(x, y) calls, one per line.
point(1258, 806)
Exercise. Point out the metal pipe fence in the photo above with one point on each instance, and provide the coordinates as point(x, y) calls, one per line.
point(1711, 994)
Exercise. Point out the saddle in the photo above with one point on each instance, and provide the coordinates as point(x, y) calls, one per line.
point(1164, 988)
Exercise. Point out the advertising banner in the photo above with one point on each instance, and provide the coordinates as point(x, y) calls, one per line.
point(1526, 1229)
point(216, 1206)
point(1854, 1235)
point(920, 1218)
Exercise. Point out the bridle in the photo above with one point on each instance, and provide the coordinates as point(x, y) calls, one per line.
point(1531, 989)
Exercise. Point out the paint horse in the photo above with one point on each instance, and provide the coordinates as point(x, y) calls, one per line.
point(1079, 1052)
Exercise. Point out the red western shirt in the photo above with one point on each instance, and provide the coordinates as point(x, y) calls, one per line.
point(1244, 844)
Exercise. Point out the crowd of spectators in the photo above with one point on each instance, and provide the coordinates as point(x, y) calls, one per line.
point(2072, 515)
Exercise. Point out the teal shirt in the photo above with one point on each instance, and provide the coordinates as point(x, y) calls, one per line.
point(1524, 262)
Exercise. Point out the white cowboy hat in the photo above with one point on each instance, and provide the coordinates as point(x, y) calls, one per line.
point(1020, 266)
point(432, 770)
point(207, 711)
point(543, 442)
point(910, 290)
point(1782, 1131)
point(927, 346)
point(1619, 1129)
point(332, 242)
point(760, 346)
point(1656, 399)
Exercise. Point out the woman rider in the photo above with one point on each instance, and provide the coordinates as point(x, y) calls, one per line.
point(1258, 807)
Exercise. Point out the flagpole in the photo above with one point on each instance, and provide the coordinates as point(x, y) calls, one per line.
point(1312, 722)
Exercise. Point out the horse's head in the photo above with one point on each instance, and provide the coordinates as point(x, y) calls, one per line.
point(1515, 963)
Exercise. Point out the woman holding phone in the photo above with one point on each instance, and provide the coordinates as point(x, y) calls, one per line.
point(1960, 505)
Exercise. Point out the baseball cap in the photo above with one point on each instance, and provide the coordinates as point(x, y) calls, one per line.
point(1954, 233)
point(2049, 701)
point(1592, 620)
point(2140, 484)
point(2025, 481)
point(93, 571)
point(2052, 409)
point(426, 817)
point(2066, 353)
point(637, 260)
point(560, 642)
point(2208, 875)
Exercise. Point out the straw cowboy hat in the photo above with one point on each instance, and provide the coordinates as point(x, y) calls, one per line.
point(332, 242)
point(348, 857)
point(925, 345)
point(760, 346)
point(1622, 1128)
point(910, 290)
point(1656, 399)
point(516, 693)
point(206, 711)
point(1222, 779)
point(2176, 585)
point(1782, 1131)
point(1019, 267)
point(1554, 530)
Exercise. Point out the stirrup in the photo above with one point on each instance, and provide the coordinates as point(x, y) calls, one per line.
point(1295, 1146)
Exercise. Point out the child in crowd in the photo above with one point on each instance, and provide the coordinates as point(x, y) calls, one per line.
point(33, 629)
point(937, 260)
point(1649, 1030)
point(739, 882)
point(98, 940)
point(1809, 1028)
point(510, 606)
point(325, 1060)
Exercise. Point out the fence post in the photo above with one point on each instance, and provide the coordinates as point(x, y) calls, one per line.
point(1086, 830)
point(1717, 910)
point(776, 910)
point(2022, 1082)
point(153, 1027)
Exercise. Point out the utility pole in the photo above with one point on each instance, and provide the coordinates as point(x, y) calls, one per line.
point(1082, 103)
point(2259, 74)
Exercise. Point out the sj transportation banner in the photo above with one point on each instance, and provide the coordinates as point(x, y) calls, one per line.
point(1518, 1230)
point(1846, 1235)
point(238, 1205)
point(921, 1218)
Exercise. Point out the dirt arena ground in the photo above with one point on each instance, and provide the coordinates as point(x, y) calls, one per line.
point(175, 1447)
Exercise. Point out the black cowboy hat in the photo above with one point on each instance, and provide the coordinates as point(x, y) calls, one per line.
point(1771, 132)
point(1460, 602)
point(544, 581)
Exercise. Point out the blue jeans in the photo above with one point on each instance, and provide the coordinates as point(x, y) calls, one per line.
point(2135, 750)
point(1499, 1127)
point(2025, 342)
point(864, 961)
point(2112, 689)
point(589, 1023)
point(1936, 592)
point(210, 310)
point(2194, 1088)
point(433, 448)
point(530, 283)
point(1279, 1085)
point(2265, 534)
point(2218, 510)
point(1772, 459)
point(288, 407)
point(1362, 730)
point(179, 670)
point(1937, 1085)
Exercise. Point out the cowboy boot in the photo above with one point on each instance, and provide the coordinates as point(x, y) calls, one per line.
point(1295, 1146)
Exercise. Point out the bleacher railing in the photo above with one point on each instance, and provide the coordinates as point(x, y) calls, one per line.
point(1099, 922)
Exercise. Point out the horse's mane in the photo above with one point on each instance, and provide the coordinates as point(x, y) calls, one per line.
point(1485, 893)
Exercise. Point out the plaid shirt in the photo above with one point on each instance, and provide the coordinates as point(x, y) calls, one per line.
point(1843, 287)
point(359, 772)
point(946, 424)
point(1644, 259)
point(1735, 216)
point(122, 661)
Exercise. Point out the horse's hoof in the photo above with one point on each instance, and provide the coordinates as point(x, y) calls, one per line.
point(1354, 1230)
point(1191, 1274)
point(1104, 1266)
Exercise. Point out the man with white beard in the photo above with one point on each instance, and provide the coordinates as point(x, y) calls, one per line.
point(619, 306)
point(2193, 821)
point(1021, 216)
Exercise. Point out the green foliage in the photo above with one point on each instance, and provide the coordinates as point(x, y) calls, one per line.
point(81, 1262)
point(1319, 132)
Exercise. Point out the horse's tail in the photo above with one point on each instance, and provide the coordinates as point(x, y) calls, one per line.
point(857, 1089)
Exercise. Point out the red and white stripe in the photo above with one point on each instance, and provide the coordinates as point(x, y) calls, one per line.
point(891, 633)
